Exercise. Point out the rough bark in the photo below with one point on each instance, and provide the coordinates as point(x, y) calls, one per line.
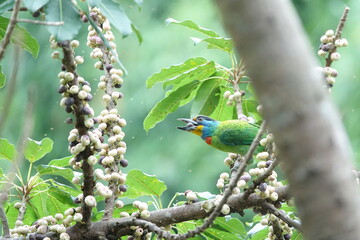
point(307, 128)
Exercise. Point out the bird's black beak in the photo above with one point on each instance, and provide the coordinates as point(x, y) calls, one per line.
point(190, 124)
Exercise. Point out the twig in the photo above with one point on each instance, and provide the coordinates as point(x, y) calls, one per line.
point(238, 74)
point(10, 28)
point(40, 22)
point(261, 178)
point(88, 172)
point(277, 230)
point(4, 221)
point(230, 188)
point(338, 32)
point(282, 216)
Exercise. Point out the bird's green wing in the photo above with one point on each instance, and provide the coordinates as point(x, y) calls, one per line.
point(234, 133)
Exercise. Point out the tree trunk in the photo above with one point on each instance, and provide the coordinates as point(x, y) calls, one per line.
point(308, 132)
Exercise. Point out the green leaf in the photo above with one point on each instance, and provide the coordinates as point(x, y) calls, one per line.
point(250, 109)
point(58, 201)
point(224, 44)
point(2, 79)
point(216, 234)
point(63, 11)
point(192, 25)
point(20, 36)
point(297, 236)
point(189, 96)
point(7, 150)
point(207, 98)
point(232, 225)
point(115, 14)
point(61, 162)
point(140, 184)
point(66, 173)
point(175, 71)
point(33, 6)
point(6, 5)
point(34, 150)
point(137, 33)
point(199, 73)
point(223, 111)
point(184, 227)
point(168, 105)
point(72, 191)
point(38, 199)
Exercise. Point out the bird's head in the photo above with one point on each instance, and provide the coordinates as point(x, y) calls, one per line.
point(200, 125)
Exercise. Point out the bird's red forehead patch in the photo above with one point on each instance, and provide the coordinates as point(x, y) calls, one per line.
point(208, 140)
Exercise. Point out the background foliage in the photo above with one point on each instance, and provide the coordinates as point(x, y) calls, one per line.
point(175, 157)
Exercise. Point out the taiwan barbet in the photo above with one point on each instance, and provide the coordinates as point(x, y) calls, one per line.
point(233, 136)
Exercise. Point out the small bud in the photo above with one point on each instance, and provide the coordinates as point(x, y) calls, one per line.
point(69, 76)
point(64, 236)
point(124, 214)
point(69, 211)
point(220, 185)
point(338, 43)
point(330, 80)
point(145, 214)
point(119, 203)
point(224, 175)
point(237, 95)
point(344, 42)
point(263, 142)
point(79, 59)
point(227, 94)
point(74, 89)
point(225, 209)
point(18, 205)
point(78, 217)
point(74, 43)
point(61, 229)
point(274, 196)
point(262, 155)
point(190, 195)
point(82, 94)
point(241, 184)
point(329, 33)
point(335, 56)
point(138, 232)
point(264, 222)
point(90, 201)
point(55, 55)
point(321, 53)
point(59, 216)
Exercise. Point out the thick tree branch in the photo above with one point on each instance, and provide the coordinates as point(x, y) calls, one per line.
point(118, 227)
point(308, 130)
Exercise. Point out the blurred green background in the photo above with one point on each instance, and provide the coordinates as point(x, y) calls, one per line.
point(182, 160)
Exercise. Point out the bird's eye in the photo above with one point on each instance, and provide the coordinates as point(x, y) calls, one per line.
point(199, 119)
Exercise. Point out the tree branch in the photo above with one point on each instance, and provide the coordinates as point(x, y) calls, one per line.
point(117, 227)
point(10, 28)
point(308, 130)
point(282, 216)
point(4, 221)
point(338, 33)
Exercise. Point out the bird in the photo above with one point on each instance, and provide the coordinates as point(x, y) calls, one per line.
point(234, 136)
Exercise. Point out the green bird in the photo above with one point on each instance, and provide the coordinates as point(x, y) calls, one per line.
point(233, 136)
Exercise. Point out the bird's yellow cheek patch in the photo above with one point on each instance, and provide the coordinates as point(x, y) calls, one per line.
point(198, 130)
